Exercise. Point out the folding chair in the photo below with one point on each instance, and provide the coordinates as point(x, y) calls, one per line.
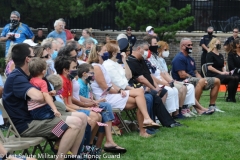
point(34, 142)
point(125, 126)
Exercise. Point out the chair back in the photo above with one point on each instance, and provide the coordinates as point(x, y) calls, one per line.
point(205, 68)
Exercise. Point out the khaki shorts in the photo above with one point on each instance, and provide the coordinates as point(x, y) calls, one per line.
point(210, 82)
point(43, 128)
point(60, 107)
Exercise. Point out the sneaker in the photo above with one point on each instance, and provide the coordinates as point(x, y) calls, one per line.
point(185, 113)
point(215, 108)
point(191, 113)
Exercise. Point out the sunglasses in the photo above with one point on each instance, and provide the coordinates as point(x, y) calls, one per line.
point(47, 56)
point(128, 29)
point(29, 56)
point(92, 73)
point(235, 31)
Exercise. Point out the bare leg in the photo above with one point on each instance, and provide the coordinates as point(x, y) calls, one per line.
point(199, 88)
point(143, 132)
point(182, 92)
point(100, 139)
point(94, 118)
point(214, 91)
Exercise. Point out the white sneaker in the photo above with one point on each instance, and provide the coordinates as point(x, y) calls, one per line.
point(191, 113)
point(216, 109)
point(185, 113)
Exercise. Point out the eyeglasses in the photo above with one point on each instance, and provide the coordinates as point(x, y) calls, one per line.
point(30, 56)
point(189, 45)
point(128, 29)
point(45, 56)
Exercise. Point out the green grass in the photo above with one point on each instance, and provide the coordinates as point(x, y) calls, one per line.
point(207, 137)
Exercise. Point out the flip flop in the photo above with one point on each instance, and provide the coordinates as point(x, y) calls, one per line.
point(209, 112)
point(151, 125)
point(114, 149)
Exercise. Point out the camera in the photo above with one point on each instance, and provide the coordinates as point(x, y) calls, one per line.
point(12, 37)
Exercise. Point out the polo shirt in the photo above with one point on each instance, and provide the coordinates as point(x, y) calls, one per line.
point(67, 87)
point(229, 40)
point(139, 68)
point(205, 40)
point(15, 98)
point(218, 63)
point(183, 63)
point(61, 35)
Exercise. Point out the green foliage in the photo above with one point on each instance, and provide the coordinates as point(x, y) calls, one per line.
point(45, 11)
point(166, 20)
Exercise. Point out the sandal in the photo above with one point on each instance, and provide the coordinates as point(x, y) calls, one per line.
point(151, 125)
point(115, 149)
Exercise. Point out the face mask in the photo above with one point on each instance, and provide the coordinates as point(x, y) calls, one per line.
point(87, 52)
point(13, 24)
point(105, 56)
point(118, 56)
point(153, 49)
point(49, 62)
point(54, 55)
point(145, 54)
point(210, 33)
point(89, 79)
point(188, 50)
point(218, 46)
point(73, 74)
point(79, 53)
point(165, 53)
point(59, 92)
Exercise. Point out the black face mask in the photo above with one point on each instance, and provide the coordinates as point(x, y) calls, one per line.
point(13, 24)
point(73, 74)
point(188, 50)
point(153, 49)
point(89, 79)
point(218, 46)
point(210, 33)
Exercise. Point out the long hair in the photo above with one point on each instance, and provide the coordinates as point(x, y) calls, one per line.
point(233, 45)
point(212, 44)
point(161, 46)
point(93, 55)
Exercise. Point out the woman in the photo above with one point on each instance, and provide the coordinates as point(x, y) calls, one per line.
point(10, 64)
point(117, 97)
point(233, 58)
point(85, 35)
point(216, 69)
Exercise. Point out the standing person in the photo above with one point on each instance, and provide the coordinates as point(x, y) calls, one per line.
point(217, 69)
point(204, 44)
point(131, 38)
point(59, 31)
point(230, 40)
point(74, 34)
point(39, 37)
point(86, 34)
point(15, 31)
point(67, 31)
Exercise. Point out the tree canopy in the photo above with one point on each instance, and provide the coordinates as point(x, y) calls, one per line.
point(165, 19)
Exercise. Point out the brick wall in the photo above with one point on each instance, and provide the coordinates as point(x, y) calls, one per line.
point(174, 47)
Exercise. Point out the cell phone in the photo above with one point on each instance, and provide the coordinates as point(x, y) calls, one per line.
point(105, 92)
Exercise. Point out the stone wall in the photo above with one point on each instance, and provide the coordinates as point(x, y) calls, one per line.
point(174, 47)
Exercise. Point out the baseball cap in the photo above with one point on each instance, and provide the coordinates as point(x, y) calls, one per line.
point(15, 13)
point(30, 42)
point(149, 28)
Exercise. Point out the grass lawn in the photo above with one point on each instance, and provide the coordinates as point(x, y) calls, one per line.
point(208, 137)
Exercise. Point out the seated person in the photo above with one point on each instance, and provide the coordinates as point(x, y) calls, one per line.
point(18, 90)
point(40, 111)
point(216, 69)
point(117, 97)
point(183, 67)
point(10, 64)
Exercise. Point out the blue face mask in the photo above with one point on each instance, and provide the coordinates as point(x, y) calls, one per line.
point(105, 56)
point(54, 55)
point(79, 53)
point(118, 56)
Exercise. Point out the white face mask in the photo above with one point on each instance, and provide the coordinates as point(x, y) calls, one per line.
point(145, 54)
point(165, 53)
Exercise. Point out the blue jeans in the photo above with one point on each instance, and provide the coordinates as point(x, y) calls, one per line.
point(107, 114)
point(41, 113)
point(149, 102)
point(87, 112)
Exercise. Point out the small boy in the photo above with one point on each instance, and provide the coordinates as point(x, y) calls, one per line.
point(40, 111)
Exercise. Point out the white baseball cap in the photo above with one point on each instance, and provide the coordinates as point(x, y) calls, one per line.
point(149, 28)
point(30, 42)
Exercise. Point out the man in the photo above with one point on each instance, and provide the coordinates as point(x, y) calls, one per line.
point(141, 74)
point(74, 34)
point(15, 31)
point(18, 90)
point(39, 37)
point(204, 44)
point(229, 40)
point(184, 69)
point(131, 38)
point(68, 32)
point(59, 31)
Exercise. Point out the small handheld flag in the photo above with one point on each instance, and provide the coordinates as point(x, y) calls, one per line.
point(60, 128)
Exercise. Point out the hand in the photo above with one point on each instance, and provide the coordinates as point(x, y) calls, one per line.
point(123, 54)
point(123, 93)
point(52, 93)
point(56, 113)
point(101, 100)
point(147, 89)
point(90, 104)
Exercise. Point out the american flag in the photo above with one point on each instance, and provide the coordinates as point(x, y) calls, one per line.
point(96, 109)
point(101, 124)
point(60, 128)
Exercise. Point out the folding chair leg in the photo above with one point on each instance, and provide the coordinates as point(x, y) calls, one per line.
point(123, 123)
point(25, 151)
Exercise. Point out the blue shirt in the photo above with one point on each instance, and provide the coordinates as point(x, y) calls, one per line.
point(183, 63)
point(61, 35)
point(22, 32)
point(82, 39)
point(1, 82)
point(84, 90)
point(15, 99)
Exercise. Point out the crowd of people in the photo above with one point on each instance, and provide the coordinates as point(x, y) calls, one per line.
point(80, 81)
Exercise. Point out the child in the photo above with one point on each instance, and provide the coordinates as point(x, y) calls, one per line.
point(40, 111)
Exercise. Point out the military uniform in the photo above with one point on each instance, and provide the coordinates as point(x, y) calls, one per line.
point(229, 40)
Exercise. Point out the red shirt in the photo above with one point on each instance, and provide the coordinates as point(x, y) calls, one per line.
point(39, 83)
point(67, 87)
point(68, 34)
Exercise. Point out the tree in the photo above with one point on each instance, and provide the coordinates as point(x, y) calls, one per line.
point(46, 11)
point(165, 19)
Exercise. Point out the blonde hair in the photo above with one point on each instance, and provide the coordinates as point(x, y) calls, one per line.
point(9, 54)
point(93, 55)
point(56, 81)
point(161, 46)
point(212, 44)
